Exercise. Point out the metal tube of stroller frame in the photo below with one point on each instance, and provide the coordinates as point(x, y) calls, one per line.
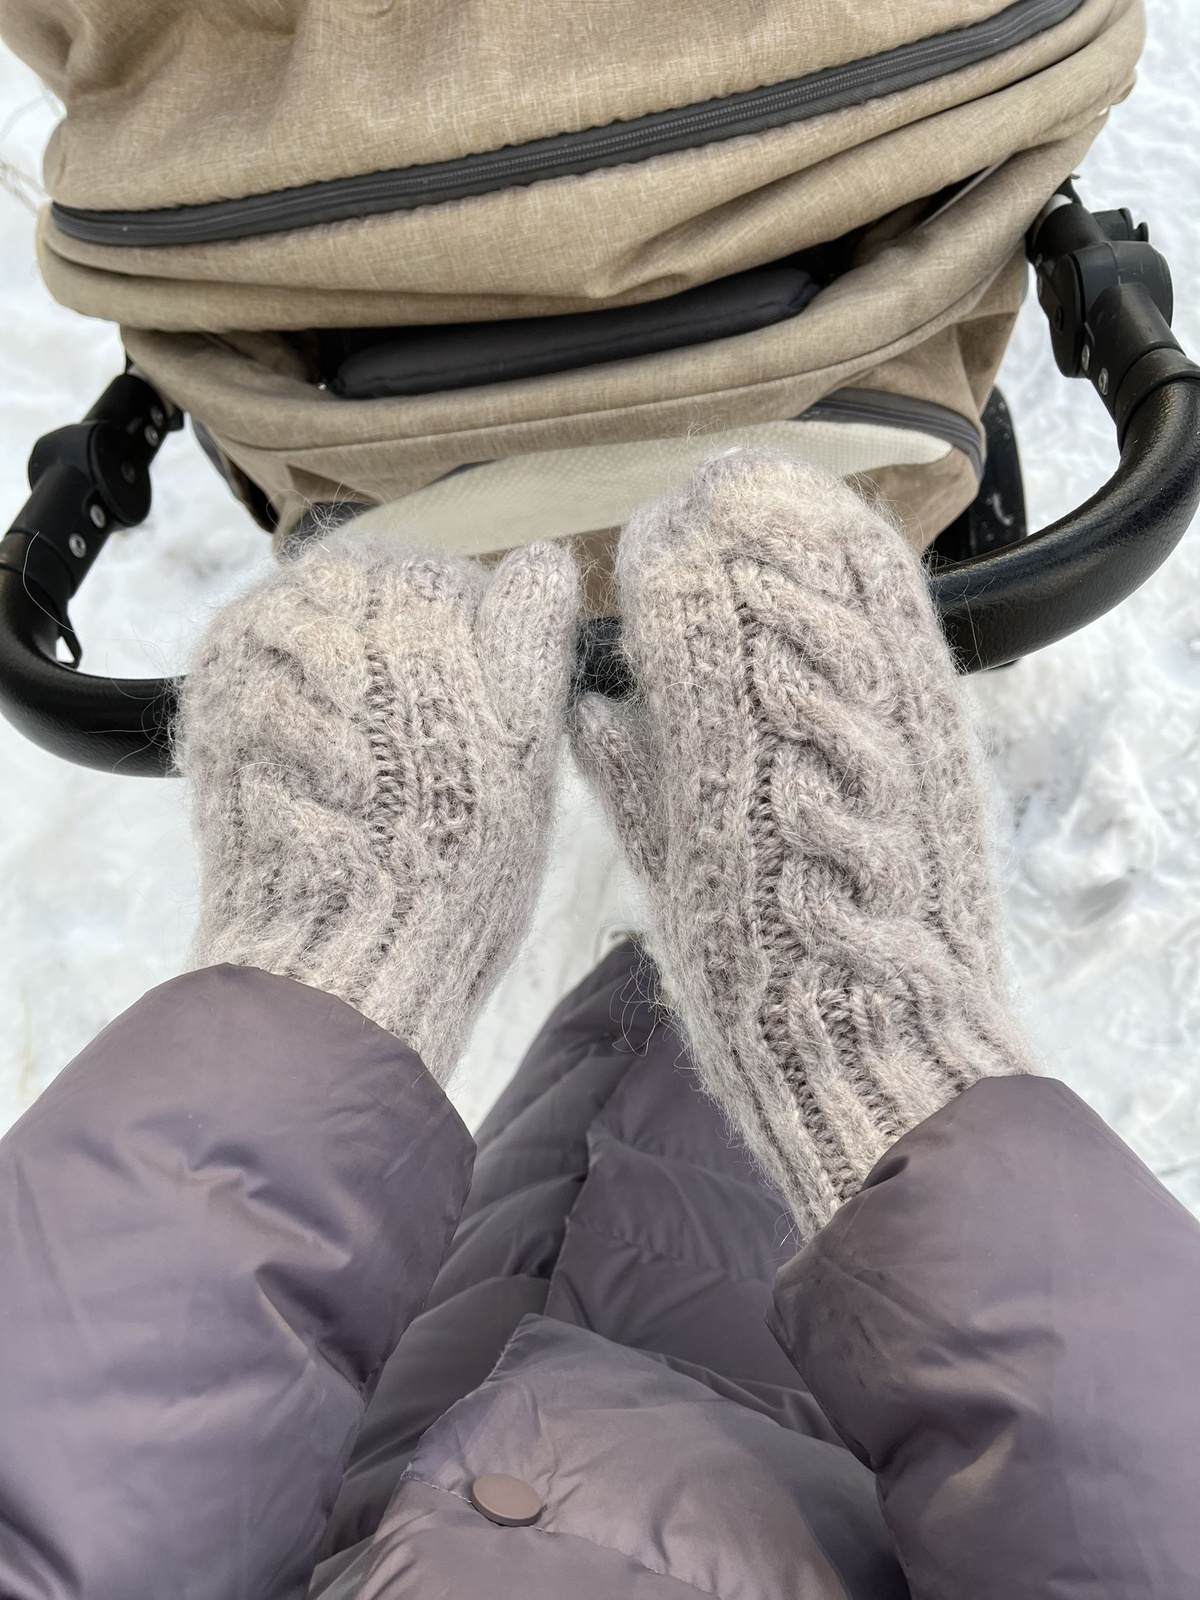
point(1107, 295)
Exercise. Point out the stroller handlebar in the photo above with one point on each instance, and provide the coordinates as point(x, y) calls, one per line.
point(87, 479)
point(1107, 295)
point(1108, 299)
point(996, 608)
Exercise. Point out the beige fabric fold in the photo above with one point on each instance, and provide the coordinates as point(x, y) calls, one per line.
point(184, 101)
point(628, 233)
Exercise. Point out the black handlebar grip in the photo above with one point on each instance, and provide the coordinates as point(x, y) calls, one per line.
point(998, 607)
point(109, 724)
point(86, 479)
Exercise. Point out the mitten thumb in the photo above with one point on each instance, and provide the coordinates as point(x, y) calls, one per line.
point(527, 621)
point(611, 743)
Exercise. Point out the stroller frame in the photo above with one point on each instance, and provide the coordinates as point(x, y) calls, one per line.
point(1000, 595)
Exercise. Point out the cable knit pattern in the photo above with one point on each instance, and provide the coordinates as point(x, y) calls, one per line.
point(371, 738)
point(800, 784)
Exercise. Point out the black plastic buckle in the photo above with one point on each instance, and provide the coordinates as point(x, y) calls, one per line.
point(1108, 297)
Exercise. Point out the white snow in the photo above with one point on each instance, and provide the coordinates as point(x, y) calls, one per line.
point(1096, 742)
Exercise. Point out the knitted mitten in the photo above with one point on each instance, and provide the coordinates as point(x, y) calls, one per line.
point(799, 783)
point(370, 738)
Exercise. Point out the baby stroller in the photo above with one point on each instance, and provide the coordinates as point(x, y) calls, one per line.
point(512, 270)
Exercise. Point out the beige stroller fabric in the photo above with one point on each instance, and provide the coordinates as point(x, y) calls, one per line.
point(172, 103)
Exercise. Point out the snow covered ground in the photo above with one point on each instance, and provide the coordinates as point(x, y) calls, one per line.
point(1096, 742)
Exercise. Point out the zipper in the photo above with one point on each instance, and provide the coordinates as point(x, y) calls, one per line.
point(572, 154)
point(900, 411)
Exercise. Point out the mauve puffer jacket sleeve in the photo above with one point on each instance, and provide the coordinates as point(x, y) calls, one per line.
point(214, 1226)
point(1005, 1326)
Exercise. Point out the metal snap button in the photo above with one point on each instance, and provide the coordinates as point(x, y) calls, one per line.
point(505, 1500)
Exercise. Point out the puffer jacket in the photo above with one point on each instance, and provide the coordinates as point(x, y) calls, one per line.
point(270, 1324)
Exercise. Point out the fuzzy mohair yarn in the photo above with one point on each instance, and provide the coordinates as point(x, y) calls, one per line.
point(370, 737)
point(799, 783)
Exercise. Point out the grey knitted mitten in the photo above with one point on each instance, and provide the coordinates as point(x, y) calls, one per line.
point(371, 738)
point(799, 783)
